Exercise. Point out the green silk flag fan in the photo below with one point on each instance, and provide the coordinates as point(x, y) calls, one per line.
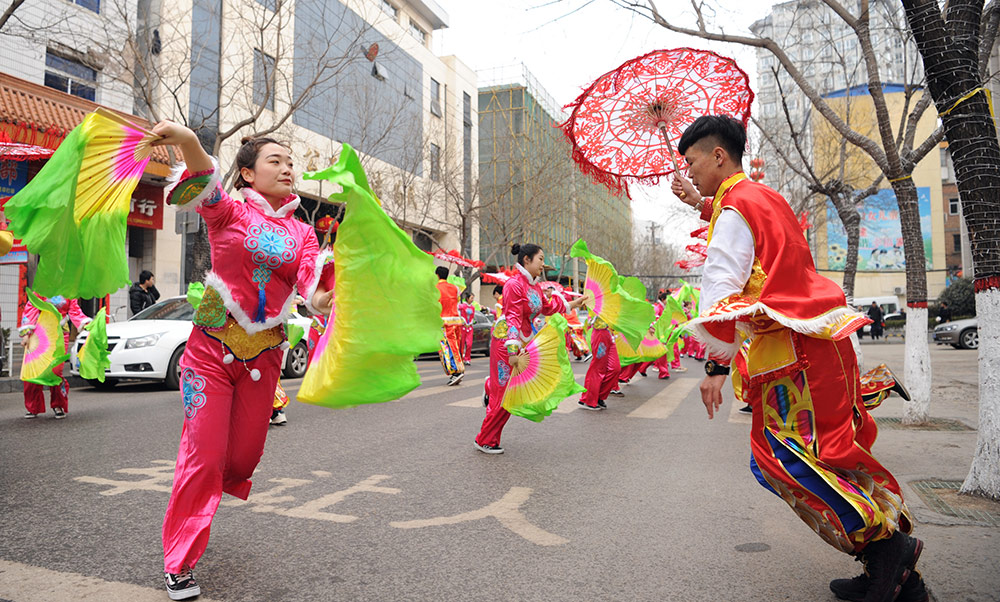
point(605, 296)
point(73, 213)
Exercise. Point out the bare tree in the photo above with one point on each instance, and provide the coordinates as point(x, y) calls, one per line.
point(895, 150)
point(9, 12)
point(955, 45)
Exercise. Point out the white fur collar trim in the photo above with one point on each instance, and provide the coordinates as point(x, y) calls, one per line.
point(289, 205)
point(213, 280)
point(526, 274)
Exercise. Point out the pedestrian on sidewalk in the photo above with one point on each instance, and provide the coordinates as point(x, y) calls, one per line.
point(875, 315)
point(523, 301)
point(261, 254)
point(34, 396)
point(811, 434)
point(143, 293)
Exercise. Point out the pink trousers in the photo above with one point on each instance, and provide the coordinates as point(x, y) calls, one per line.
point(466, 343)
point(496, 385)
point(34, 396)
point(602, 375)
point(226, 415)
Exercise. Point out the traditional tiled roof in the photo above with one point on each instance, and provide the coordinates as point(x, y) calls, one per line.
point(34, 114)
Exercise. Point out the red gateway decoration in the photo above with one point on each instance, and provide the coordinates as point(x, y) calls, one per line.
point(455, 257)
point(625, 125)
point(15, 151)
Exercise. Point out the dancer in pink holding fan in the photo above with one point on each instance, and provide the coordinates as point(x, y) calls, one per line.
point(34, 396)
point(260, 256)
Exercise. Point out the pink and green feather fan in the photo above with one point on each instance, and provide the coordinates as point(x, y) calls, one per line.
point(46, 348)
point(537, 388)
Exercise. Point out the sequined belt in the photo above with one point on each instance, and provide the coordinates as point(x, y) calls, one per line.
point(245, 346)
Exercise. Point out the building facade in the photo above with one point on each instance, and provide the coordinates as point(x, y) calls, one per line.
point(318, 74)
point(61, 60)
point(531, 191)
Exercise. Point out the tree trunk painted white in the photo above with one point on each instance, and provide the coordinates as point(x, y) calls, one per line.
point(917, 367)
point(984, 476)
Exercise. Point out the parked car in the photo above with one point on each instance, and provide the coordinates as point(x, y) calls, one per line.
point(149, 345)
point(482, 329)
point(867, 328)
point(960, 334)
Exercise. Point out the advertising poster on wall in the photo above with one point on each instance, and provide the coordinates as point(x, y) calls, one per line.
point(880, 246)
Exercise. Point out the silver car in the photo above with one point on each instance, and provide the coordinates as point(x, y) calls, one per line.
point(960, 334)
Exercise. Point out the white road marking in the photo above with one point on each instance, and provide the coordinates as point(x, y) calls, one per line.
point(507, 510)
point(25, 583)
point(472, 402)
point(663, 404)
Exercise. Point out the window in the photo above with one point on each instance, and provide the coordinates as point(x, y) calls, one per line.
point(94, 5)
point(70, 76)
point(418, 33)
point(390, 10)
point(956, 239)
point(435, 97)
point(263, 79)
point(435, 162)
point(466, 108)
point(954, 206)
point(271, 5)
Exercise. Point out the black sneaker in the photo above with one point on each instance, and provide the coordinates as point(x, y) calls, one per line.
point(747, 409)
point(29, 415)
point(643, 374)
point(854, 589)
point(59, 412)
point(618, 392)
point(601, 404)
point(181, 586)
point(584, 406)
point(888, 563)
point(486, 400)
point(488, 449)
point(456, 378)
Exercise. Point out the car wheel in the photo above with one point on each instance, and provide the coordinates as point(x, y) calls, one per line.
point(109, 383)
point(969, 339)
point(173, 379)
point(296, 362)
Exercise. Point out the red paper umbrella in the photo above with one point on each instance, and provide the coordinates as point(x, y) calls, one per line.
point(625, 125)
point(701, 233)
point(456, 257)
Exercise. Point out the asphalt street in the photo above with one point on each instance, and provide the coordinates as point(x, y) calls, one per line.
point(647, 500)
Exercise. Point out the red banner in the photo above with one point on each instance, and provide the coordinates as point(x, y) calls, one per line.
point(146, 210)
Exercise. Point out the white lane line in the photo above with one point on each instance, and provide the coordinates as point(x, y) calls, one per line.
point(567, 405)
point(663, 404)
point(25, 583)
point(472, 402)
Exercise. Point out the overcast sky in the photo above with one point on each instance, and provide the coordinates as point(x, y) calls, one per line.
point(566, 44)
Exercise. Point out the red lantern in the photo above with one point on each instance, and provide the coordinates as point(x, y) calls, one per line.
point(756, 163)
point(323, 224)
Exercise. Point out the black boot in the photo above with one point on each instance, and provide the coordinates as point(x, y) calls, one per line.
point(855, 589)
point(888, 563)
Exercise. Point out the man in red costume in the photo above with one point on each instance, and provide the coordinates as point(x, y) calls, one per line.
point(451, 349)
point(811, 434)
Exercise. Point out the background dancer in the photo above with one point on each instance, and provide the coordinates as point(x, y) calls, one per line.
point(34, 396)
point(451, 350)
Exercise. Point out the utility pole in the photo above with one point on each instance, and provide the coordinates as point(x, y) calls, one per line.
point(652, 233)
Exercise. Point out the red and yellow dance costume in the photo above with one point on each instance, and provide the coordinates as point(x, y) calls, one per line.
point(602, 375)
point(34, 395)
point(576, 340)
point(231, 364)
point(468, 314)
point(811, 433)
point(451, 347)
point(523, 301)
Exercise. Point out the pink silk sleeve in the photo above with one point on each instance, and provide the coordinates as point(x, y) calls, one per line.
point(28, 319)
point(219, 209)
point(76, 314)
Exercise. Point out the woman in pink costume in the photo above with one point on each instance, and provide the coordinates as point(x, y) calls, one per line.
point(523, 301)
point(34, 396)
point(260, 256)
point(467, 312)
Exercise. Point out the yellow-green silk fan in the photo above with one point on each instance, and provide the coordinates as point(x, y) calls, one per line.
point(544, 378)
point(46, 348)
point(73, 213)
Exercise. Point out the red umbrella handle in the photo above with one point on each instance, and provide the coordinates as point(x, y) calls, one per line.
point(670, 148)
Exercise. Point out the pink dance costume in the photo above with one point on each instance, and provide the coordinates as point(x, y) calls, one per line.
point(230, 367)
point(34, 395)
point(602, 375)
point(468, 314)
point(523, 301)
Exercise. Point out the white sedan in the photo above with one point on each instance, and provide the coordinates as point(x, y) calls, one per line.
point(149, 345)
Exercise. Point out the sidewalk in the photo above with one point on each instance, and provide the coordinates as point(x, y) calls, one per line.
point(961, 533)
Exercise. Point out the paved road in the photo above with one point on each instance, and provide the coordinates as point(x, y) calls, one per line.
point(645, 501)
